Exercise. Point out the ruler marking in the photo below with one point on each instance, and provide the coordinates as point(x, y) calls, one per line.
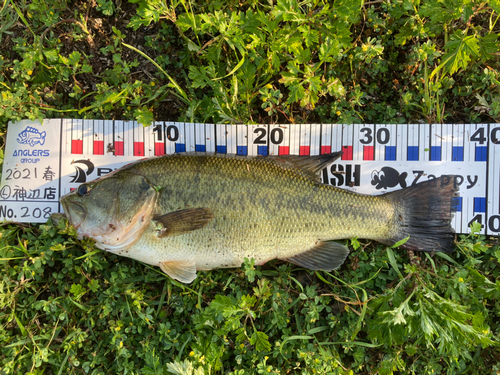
point(391, 144)
point(326, 139)
point(486, 216)
point(315, 139)
point(346, 143)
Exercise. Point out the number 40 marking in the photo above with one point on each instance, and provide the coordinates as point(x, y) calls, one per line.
point(480, 137)
point(493, 222)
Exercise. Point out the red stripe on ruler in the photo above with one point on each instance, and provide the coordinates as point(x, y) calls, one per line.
point(326, 149)
point(76, 146)
point(159, 149)
point(98, 147)
point(368, 153)
point(283, 150)
point(347, 153)
point(119, 148)
point(138, 148)
point(304, 150)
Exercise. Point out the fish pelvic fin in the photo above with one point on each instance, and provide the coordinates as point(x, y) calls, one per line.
point(424, 213)
point(326, 256)
point(181, 270)
point(183, 221)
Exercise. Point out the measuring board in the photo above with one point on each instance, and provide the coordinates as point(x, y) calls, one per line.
point(44, 162)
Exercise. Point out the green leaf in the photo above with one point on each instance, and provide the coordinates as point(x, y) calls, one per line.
point(21, 326)
point(394, 264)
point(173, 83)
point(180, 368)
point(107, 7)
point(260, 341)
point(240, 63)
point(488, 46)
point(51, 55)
point(329, 50)
point(335, 88)
point(221, 302)
point(462, 48)
point(74, 57)
point(400, 242)
point(144, 116)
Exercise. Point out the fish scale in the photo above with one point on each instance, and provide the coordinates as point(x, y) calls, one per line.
point(192, 212)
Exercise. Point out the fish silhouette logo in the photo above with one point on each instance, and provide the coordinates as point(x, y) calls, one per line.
point(31, 136)
point(81, 175)
point(388, 177)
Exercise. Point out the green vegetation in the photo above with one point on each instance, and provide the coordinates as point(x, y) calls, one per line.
point(68, 308)
point(251, 62)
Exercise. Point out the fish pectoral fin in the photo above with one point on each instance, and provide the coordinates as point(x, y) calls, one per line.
point(181, 270)
point(326, 256)
point(183, 221)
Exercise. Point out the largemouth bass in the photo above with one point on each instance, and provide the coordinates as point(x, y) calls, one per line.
point(189, 212)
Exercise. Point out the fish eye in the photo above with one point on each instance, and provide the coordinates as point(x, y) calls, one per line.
point(82, 190)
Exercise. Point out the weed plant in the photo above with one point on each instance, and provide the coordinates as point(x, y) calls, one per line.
point(67, 308)
point(382, 61)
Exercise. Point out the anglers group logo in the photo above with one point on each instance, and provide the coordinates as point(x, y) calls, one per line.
point(81, 175)
point(388, 177)
point(31, 136)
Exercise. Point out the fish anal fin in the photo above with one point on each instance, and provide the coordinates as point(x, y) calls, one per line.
point(181, 270)
point(183, 221)
point(326, 256)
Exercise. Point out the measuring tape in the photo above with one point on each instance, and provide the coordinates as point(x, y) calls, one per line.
point(44, 162)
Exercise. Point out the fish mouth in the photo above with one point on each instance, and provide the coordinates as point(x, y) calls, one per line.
point(75, 213)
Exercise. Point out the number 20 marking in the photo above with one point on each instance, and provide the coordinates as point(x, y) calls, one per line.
point(276, 136)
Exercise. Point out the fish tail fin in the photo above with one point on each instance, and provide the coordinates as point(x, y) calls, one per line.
point(424, 213)
point(402, 179)
point(42, 138)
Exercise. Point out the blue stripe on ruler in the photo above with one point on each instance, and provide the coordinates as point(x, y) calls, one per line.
point(481, 152)
point(412, 153)
point(456, 203)
point(435, 153)
point(390, 152)
point(180, 147)
point(479, 204)
point(458, 153)
point(200, 148)
point(262, 150)
point(222, 149)
point(242, 150)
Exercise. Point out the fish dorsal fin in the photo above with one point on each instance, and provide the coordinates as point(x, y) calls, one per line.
point(326, 256)
point(311, 165)
point(181, 270)
point(183, 221)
